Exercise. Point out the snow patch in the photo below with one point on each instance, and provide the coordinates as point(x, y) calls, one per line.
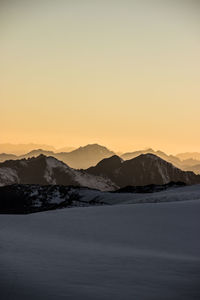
point(52, 163)
point(94, 182)
point(8, 176)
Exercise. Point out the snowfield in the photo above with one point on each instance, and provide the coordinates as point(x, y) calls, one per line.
point(120, 252)
point(184, 193)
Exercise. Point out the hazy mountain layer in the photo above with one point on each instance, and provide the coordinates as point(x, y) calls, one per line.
point(189, 155)
point(80, 158)
point(90, 155)
point(170, 158)
point(19, 149)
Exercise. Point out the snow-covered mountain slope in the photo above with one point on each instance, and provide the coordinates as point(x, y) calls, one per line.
point(109, 174)
point(143, 252)
point(48, 170)
point(8, 176)
point(142, 170)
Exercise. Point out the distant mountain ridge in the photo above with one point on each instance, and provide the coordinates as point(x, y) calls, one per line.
point(194, 168)
point(20, 149)
point(170, 158)
point(189, 155)
point(89, 155)
point(80, 158)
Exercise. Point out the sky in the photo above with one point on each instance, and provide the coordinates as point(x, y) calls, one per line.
point(121, 73)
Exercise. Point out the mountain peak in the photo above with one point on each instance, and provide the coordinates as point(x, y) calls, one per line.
point(93, 147)
point(111, 161)
point(150, 156)
point(41, 156)
point(144, 169)
point(45, 170)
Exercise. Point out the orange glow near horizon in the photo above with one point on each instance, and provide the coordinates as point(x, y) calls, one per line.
point(124, 74)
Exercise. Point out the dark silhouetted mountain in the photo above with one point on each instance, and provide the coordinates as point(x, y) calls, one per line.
point(107, 167)
point(143, 170)
point(48, 170)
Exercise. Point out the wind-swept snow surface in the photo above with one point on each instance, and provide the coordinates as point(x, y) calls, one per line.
point(122, 252)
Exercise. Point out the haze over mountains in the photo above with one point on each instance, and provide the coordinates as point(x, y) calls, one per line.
point(20, 149)
point(189, 155)
point(171, 158)
point(80, 158)
point(90, 155)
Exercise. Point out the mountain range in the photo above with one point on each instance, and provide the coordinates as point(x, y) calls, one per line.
point(80, 158)
point(189, 155)
point(109, 174)
point(142, 170)
point(170, 158)
point(20, 149)
point(45, 170)
point(90, 155)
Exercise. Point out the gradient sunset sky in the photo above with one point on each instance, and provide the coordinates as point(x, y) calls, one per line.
point(121, 73)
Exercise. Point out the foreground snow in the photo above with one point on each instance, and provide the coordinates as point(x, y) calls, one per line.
point(184, 193)
point(148, 251)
